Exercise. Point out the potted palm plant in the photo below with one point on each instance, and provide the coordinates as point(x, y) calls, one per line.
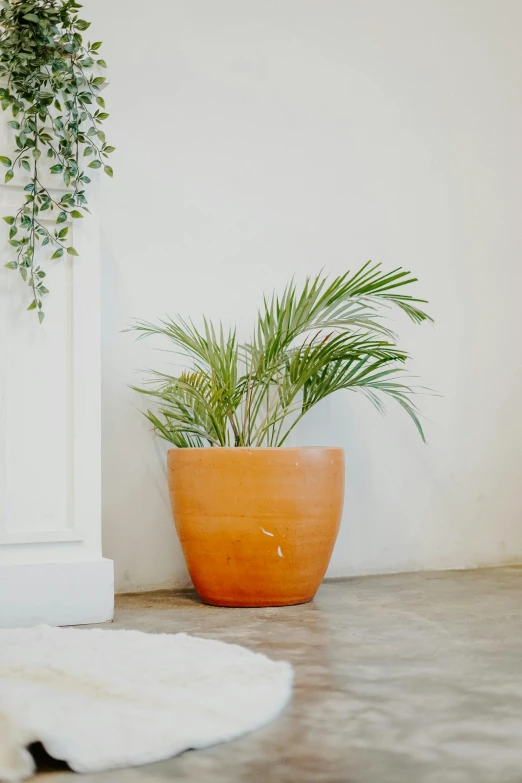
point(258, 521)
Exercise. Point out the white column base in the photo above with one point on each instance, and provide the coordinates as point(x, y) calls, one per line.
point(70, 593)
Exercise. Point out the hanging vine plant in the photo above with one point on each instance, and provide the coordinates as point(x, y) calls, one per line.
point(50, 80)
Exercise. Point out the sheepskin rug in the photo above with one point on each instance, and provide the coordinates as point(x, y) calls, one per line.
point(101, 699)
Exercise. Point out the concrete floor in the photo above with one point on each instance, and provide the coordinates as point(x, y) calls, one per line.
point(410, 678)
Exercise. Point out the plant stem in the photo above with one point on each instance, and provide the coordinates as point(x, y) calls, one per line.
point(33, 240)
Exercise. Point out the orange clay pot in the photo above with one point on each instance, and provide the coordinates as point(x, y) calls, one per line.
point(257, 525)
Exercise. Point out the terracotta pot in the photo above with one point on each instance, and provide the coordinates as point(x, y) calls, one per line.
point(257, 525)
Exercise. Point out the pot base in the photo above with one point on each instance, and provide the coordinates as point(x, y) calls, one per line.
point(253, 604)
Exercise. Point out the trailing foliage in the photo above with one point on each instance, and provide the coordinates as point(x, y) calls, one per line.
point(307, 344)
point(51, 83)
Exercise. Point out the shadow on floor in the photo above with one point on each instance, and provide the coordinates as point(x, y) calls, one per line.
point(44, 762)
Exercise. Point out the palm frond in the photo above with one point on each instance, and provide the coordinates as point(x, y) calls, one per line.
point(308, 343)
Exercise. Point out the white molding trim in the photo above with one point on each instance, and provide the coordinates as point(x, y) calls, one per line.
point(70, 593)
point(51, 565)
point(39, 537)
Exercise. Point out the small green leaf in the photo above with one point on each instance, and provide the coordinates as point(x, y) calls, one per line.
point(14, 124)
point(9, 175)
point(31, 17)
point(23, 273)
point(108, 170)
point(42, 289)
point(25, 164)
point(72, 251)
point(88, 151)
point(57, 253)
point(94, 164)
point(41, 316)
point(62, 217)
point(32, 306)
point(102, 116)
point(108, 148)
point(56, 169)
point(63, 233)
point(102, 63)
point(11, 265)
point(6, 161)
point(96, 45)
point(81, 24)
point(75, 214)
point(9, 220)
point(36, 153)
point(100, 101)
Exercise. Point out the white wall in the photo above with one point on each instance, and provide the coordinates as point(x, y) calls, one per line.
point(258, 139)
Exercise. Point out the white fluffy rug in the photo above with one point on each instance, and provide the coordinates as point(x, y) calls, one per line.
point(100, 699)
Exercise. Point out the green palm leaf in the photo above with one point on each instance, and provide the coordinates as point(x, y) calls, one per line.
point(308, 343)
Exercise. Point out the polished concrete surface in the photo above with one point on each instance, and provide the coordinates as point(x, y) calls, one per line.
point(409, 678)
